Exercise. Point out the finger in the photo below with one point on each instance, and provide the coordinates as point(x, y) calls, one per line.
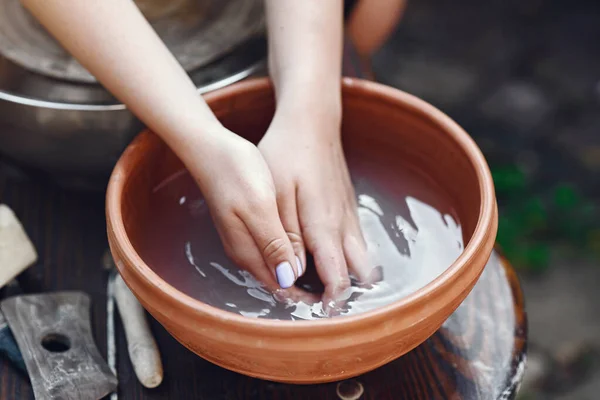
point(331, 267)
point(296, 294)
point(271, 239)
point(288, 213)
point(355, 251)
point(252, 261)
point(242, 250)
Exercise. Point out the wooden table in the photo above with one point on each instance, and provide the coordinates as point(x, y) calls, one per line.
point(479, 353)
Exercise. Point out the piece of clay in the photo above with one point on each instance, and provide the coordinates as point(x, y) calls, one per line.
point(16, 250)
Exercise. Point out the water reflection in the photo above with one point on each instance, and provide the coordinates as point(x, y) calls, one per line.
point(411, 241)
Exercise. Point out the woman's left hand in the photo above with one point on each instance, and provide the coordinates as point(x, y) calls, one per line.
point(315, 197)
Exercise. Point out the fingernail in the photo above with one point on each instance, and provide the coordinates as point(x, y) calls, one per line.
point(285, 275)
point(299, 265)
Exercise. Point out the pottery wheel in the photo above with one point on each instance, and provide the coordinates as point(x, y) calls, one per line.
point(196, 31)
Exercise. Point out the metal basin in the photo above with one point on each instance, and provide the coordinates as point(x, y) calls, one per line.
point(73, 129)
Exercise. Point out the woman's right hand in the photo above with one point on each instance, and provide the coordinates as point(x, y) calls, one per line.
point(239, 190)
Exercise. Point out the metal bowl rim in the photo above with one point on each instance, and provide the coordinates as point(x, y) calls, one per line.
point(31, 102)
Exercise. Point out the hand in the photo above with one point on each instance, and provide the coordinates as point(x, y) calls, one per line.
point(240, 194)
point(315, 197)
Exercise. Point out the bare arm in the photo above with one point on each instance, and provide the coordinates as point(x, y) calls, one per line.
point(112, 39)
point(303, 147)
point(305, 53)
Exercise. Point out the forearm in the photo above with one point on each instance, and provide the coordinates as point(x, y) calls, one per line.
point(305, 53)
point(112, 39)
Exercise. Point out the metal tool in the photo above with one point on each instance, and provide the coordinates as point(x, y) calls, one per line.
point(141, 346)
point(52, 339)
point(54, 334)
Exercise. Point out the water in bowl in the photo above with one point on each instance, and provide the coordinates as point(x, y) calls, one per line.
point(412, 232)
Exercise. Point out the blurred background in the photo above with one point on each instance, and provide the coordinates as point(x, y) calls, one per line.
point(523, 78)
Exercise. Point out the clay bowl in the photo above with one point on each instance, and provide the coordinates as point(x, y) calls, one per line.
point(375, 117)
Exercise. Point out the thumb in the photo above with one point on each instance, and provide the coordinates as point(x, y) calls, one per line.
point(275, 246)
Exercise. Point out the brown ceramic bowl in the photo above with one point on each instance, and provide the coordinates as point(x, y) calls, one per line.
point(324, 350)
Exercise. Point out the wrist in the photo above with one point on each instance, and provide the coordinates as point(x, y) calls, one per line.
point(321, 108)
point(308, 127)
point(194, 144)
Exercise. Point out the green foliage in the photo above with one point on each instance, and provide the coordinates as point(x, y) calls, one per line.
point(508, 178)
point(535, 223)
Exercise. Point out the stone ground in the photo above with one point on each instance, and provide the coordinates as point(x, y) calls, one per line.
point(523, 78)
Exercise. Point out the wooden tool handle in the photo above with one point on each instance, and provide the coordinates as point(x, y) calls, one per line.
point(143, 351)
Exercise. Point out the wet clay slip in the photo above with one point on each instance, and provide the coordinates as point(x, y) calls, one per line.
point(387, 133)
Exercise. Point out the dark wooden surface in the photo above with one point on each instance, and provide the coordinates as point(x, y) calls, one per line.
point(478, 353)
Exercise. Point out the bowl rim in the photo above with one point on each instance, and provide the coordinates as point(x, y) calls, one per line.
point(485, 222)
point(15, 98)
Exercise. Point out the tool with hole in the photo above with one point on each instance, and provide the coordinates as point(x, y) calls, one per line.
point(52, 331)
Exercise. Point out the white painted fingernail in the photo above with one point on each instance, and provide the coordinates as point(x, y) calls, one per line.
point(299, 265)
point(285, 275)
